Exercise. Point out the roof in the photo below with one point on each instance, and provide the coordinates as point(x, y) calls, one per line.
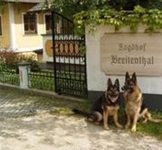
point(27, 1)
point(37, 7)
point(42, 6)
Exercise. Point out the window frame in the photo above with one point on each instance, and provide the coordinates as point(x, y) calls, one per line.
point(0, 25)
point(48, 31)
point(30, 32)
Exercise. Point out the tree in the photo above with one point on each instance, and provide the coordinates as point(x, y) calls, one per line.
point(71, 7)
point(2, 2)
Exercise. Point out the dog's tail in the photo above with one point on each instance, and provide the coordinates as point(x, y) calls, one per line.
point(81, 112)
point(92, 117)
point(157, 120)
point(151, 119)
point(148, 117)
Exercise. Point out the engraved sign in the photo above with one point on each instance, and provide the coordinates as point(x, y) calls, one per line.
point(132, 52)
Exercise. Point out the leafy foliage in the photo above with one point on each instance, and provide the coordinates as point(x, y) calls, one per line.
point(2, 2)
point(116, 13)
point(151, 18)
point(71, 7)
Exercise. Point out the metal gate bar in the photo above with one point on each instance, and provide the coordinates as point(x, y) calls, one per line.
point(69, 61)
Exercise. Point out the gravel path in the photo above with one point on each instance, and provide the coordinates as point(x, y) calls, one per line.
point(52, 132)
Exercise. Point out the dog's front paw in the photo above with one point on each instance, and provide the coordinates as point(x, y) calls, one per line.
point(106, 128)
point(119, 126)
point(127, 126)
point(133, 129)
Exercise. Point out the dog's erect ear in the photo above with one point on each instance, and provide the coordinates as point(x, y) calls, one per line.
point(109, 82)
point(127, 76)
point(134, 78)
point(117, 84)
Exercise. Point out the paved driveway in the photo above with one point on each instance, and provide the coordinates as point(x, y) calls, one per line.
point(27, 124)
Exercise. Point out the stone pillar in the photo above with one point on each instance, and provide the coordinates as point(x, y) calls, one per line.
point(24, 70)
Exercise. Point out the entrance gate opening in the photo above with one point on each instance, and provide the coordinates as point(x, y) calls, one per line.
point(69, 62)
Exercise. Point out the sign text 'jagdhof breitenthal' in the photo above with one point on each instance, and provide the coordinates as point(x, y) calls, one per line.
point(132, 52)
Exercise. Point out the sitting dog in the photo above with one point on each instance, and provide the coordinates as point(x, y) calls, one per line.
point(104, 107)
point(134, 105)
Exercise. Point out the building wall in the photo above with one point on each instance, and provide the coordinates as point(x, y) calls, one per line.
point(97, 80)
point(5, 38)
point(27, 42)
point(13, 36)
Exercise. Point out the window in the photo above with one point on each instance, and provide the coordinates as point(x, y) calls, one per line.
point(30, 23)
point(61, 25)
point(0, 25)
point(48, 23)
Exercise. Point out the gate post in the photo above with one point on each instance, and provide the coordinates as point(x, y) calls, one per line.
point(24, 70)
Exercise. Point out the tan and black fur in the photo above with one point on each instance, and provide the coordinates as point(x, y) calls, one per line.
point(111, 103)
point(134, 105)
point(105, 106)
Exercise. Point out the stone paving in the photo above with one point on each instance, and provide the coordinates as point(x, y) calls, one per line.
point(27, 122)
point(16, 103)
point(13, 105)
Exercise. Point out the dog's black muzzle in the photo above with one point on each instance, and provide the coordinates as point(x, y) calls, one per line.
point(123, 88)
point(127, 89)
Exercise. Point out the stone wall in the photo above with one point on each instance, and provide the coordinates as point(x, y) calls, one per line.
point(100, 67)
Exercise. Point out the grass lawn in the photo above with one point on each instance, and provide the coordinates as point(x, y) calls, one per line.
point(149, 128)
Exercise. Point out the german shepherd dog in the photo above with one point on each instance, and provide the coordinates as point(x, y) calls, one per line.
point(105, 106)
point(134, 105)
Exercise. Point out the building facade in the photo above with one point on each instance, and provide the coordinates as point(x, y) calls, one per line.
point(20, 30)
